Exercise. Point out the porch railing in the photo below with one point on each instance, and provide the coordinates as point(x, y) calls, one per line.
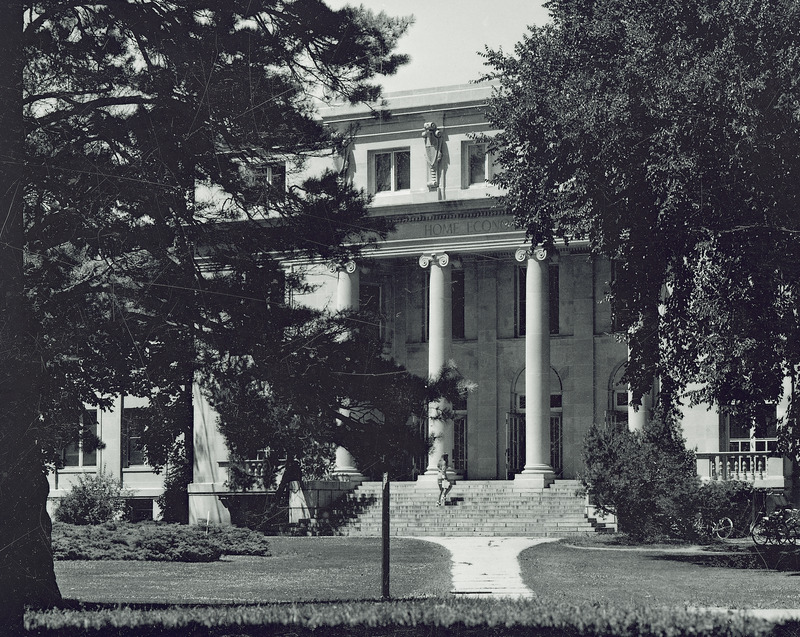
point(738, 465)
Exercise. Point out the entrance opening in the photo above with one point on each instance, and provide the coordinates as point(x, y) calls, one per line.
point(515, 426)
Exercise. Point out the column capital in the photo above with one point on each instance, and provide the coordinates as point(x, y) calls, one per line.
point(347, 266)
point(442, 258)
point(538, 253)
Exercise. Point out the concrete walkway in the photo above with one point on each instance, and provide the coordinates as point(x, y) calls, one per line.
point(487, 566)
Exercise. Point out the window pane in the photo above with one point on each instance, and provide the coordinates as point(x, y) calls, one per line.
point(402, 170)
point(458, 303)
point(134, 419)
point(278, 177)
point(369, 300)
point(70, 456)
point(383, 172)
point(477, 163)
point(739, 427)
point(554, 300)
point(767, 422)
point(520, 305)
point(90, 426)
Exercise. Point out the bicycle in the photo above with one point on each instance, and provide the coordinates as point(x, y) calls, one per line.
point(782, 526)
point(720, 529)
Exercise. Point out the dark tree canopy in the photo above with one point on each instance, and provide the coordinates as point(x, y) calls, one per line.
point(115, 275)
point(666, 135)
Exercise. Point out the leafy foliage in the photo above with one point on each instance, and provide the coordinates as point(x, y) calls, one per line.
point(647, 479)
point(94, 499)
point(665, 135)
point(119, 273)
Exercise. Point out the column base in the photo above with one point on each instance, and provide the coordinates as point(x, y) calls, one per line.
point(433, 476)
point(430, 476)
point(536, 478)
point(349, 474)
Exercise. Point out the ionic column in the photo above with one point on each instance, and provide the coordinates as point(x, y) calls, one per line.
point(347, 298)
point(440, 337)
point(537, 468)
point(637, 415)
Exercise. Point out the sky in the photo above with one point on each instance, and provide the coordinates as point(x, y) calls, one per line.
point(446, 36)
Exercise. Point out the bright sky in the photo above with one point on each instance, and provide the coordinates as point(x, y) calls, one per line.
point(446, 36)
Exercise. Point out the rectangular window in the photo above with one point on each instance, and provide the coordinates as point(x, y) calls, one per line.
point(264, 176)
point(477, 169)
point(759, 433)
point(134, 420)
point(369, 300)
point(392, 171)
point(521, 302)
point(458, 303)
point(460, 443)
point(424, 283)
point(276, 174)
point(82, 452)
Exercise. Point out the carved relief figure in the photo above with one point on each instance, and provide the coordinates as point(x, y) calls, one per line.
point(433, 152)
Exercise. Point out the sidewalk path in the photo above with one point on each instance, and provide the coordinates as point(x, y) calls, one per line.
point(487, 566)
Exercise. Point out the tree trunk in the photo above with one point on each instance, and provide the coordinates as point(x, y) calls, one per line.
point(26, 560)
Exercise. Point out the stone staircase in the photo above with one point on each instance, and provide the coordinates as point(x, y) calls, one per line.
point(474, 508)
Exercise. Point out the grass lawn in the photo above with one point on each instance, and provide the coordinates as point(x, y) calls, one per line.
point(301, 569)
point(664, 576)
point(343, 568)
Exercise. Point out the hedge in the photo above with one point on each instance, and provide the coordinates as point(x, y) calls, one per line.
point(151, 541)
point(430, 617)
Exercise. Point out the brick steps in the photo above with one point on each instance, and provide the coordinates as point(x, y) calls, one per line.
point(474, 508)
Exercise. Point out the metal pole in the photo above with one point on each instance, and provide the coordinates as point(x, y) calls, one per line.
point(385, 536)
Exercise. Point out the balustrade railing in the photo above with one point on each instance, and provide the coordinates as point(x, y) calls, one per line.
point(735, 465)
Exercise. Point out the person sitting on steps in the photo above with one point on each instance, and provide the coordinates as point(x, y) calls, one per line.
point(444, 483)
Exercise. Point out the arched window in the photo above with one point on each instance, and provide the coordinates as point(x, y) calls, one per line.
point(515, 425)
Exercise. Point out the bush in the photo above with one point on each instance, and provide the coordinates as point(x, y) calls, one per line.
point(174, 501)
point(732, 499)
point(648, 479)
point(153, 542)
point(93, 500)
point(450, 618)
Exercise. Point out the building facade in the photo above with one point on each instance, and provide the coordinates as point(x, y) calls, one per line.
point(455, 281)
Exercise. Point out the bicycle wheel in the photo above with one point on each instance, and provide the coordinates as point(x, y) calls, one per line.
point(782, 533)
point(759, 534)
point(722, 528)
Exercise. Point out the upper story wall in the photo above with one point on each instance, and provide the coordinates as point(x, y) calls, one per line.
point(388, 142)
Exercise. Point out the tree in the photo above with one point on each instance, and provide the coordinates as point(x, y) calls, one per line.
point(114, 275)
point(665, 134)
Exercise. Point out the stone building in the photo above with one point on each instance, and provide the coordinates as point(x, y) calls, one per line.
point(455, 281)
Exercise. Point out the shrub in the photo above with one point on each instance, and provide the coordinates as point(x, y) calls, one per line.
point(231, 540)
point(153, 541)
point(733, 499)
point(93, 500)
point(648, 479)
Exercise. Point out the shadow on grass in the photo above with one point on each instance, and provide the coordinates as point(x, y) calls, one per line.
point(771, 558)
point(77, 605)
